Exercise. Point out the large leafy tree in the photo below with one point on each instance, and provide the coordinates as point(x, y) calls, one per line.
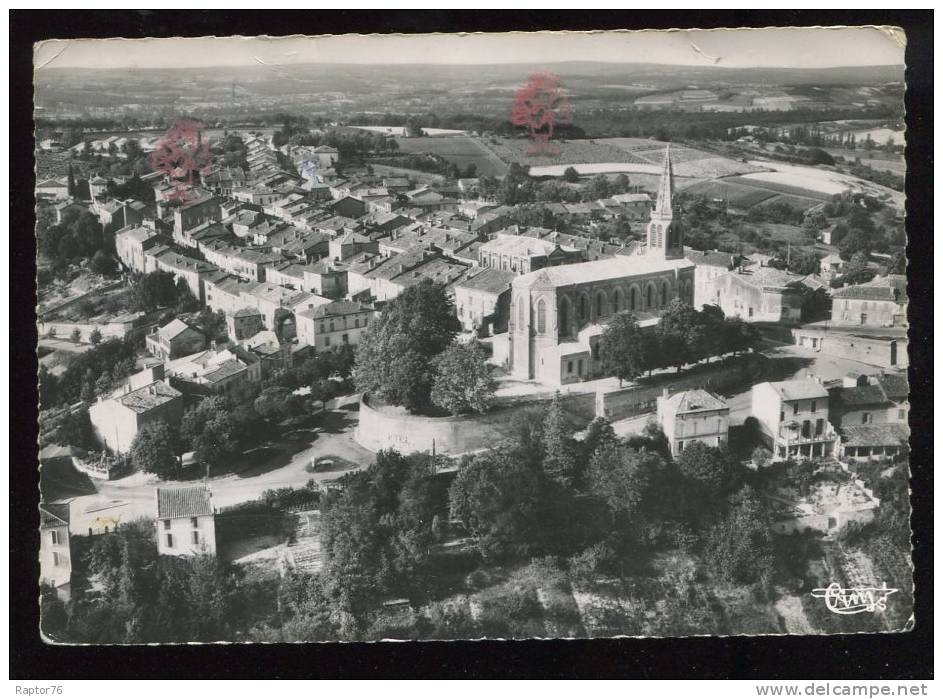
point(210, 429)
point(155, 448)
point(559, 462)
point(377, 532)
point(681, 334)
point(621, 348)
point(463, 382)
point(497, 497)
point(710, 475)
point(154, 290)
point(395, 356)
point(636, 488)
point(740, 547)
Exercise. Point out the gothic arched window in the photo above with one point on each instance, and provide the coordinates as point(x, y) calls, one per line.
point(600, 304)
point(564, 316)
point(633, 298)
point(541, 316)
point(664, 293)
point(584, 308)
point(619, 301)
point(650, 301)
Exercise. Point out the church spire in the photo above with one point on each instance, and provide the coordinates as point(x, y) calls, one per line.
point(665, 187)
point(664, 233)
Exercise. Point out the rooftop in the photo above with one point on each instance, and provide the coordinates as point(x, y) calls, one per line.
point(874, 435)
point(600, 270)
point(335, 308)
point(192, 501)
point(53, 514)
point(695, 400)
point(799, 389)
point(149, 397)
point(489, 279)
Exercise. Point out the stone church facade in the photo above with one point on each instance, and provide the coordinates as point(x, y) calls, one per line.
point(558, 314)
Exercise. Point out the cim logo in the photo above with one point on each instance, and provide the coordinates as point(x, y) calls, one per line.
point(854, 600)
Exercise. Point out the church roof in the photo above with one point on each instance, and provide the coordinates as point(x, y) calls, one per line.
point(600, 270)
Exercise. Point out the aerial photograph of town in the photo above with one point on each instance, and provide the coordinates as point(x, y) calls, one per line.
point(442, 336)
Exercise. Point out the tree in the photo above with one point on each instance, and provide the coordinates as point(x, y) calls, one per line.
point(635, 488)
point(497, 498)
point(599, 433)
point(559, 462)
point(740, 547)
point(681, 335)
point(394, 358)
point(277, 403)
point(210, 429)
point(76, 335)
point(95, 336)
point(571, 175)
point(155, 449)
point(854, 242)
point(155, 290)
point(803, 262)
point(709, 475)
point(463, 381)
point(621, 350)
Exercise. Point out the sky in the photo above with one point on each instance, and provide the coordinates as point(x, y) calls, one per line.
point(741, 48)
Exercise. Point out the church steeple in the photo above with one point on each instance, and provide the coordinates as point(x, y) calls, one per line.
point(664, 233)
point(665, 187)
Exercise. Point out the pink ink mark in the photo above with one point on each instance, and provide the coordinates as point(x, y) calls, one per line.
point(541, 105)
point(180, 154)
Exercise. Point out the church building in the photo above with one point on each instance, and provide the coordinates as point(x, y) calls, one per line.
point(558, 314)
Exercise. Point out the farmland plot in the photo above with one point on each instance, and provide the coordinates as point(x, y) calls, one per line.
point(460, 150)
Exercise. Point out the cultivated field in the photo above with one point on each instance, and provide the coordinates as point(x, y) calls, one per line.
point(460, 150)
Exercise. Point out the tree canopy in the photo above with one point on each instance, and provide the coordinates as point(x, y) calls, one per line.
point(395, 357)
point(463, 382)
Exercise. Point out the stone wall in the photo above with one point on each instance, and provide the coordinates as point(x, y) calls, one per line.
point(394, 428)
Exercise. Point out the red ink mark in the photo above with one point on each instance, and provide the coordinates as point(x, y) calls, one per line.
point(541, 105)
point(180, 154)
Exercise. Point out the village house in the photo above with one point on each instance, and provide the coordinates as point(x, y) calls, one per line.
point(116, 421)
point(708, 266)
point(523, 254)
point(871, 415)
point(881, 302)
point(55, 554)
point(241, 262)
point(324, 279)
point(693, 416)
point(760, 293)
point(483, 300)
point(243, 324)
point(175, 339)
point(333, 324)
point(190, 214)
point(186, 525)
point(792, 417)
point(57, 190)
point(212, 372)
point(195, 273)
point(132, 242)
point(350, 244)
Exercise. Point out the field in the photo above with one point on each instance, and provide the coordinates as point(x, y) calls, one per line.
point(460, 150)
point(630, 155)
point(794, 184)
point(738, 196)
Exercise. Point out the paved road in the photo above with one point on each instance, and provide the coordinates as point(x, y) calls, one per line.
point(132, 497)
